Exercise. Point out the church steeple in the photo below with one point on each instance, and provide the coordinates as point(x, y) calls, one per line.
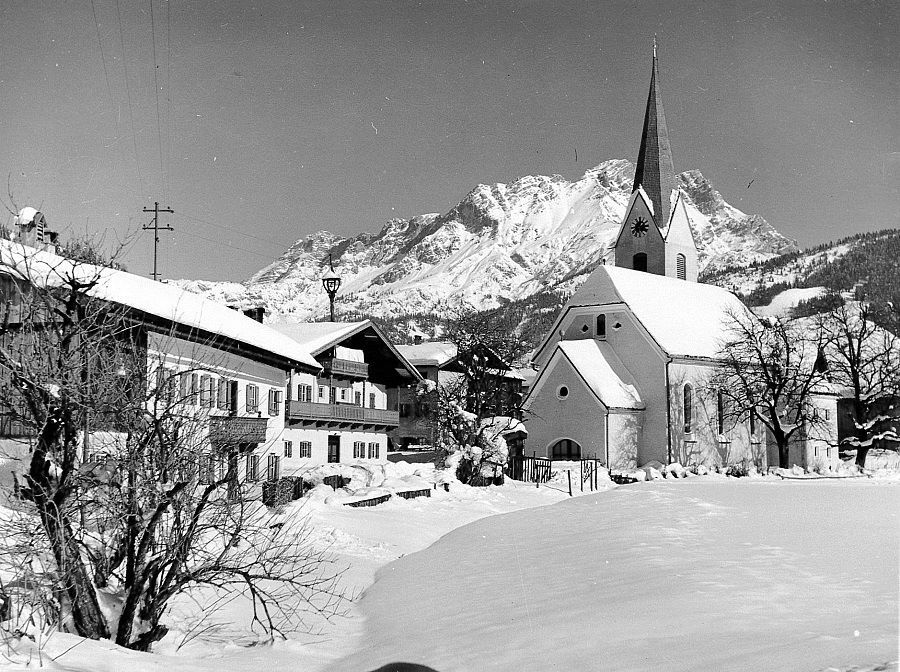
point(655, 171)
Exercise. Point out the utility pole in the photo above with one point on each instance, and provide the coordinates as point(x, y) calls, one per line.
point(156, 229)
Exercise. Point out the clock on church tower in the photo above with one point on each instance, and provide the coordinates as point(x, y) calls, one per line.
point(639, 227)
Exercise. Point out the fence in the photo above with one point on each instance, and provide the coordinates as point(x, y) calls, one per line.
point(532, 469)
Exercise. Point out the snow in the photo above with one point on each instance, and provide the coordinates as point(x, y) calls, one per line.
point(590, 359)
point(664, 306)
point(317, 336)
point(434, 353)
point(147, 296)
point(784, 302)
point(695, 574)
point(705, 573)
point(26, 215)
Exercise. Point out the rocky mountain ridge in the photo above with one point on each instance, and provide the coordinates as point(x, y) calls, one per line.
point(501, 243)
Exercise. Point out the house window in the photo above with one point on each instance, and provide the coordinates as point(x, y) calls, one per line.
point(343, 394)
point(273, 467)
point(252, 467)
point(205, 391)
point(565, 449)
point(205, 469)
point(681, 267)
point(224, 402)
point(752, 418)
point(274, 402)
point(639, 262)
point(252, 392)
point(184, 395)
point(404, 410)
point(359, 449)
point(371, 400)
point(374, 450)
point(720, 411)
point(305, 449)
point(827, 414)
point(601, 326)
point(321, 393)
point(304, 392)
point(357, 398)
point(687, 408)
point(288, 448)
point(562, 392)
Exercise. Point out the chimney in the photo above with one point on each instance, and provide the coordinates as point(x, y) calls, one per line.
point(258, 313)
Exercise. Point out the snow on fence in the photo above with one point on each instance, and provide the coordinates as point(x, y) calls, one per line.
point(373, 501)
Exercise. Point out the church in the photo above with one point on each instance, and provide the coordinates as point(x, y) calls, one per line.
point(623, 373)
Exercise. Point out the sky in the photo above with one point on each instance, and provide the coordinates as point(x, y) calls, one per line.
point(260, 123)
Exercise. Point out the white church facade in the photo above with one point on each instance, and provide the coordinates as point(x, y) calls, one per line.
point(624, 373)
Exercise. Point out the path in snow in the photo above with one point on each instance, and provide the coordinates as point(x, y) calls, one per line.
point(692, 575)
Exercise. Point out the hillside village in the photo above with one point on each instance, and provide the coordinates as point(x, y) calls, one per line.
point(153, 431)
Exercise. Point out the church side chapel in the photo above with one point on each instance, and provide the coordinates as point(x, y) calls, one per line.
point(623, 373)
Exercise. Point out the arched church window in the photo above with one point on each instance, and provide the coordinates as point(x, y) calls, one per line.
point(601, 326)
point(639, 262)
point(565, 449)
point(681, 267)
point(688, 407)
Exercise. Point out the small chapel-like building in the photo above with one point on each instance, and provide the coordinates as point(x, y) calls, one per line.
point(623, 373)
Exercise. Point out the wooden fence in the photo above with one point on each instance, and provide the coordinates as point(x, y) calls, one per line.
point(532, 469)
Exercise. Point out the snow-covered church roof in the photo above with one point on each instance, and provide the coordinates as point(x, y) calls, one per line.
point(167, 302)
point(591, 359)
point(686, 319)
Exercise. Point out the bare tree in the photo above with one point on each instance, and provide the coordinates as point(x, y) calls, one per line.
point(864, 359)
point(773, 368)
point(120, 514)
point(475, 399)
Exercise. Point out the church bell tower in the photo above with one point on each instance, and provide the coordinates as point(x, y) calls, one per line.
point(655, 235)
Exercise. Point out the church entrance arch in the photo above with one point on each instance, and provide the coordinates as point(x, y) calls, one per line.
point(565, 449)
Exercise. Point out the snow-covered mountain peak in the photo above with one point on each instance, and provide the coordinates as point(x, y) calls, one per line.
point(500, 242)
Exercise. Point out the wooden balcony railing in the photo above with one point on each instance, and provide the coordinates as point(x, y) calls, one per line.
point(304, 410)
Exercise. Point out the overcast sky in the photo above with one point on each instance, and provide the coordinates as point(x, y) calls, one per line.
point(277, 119)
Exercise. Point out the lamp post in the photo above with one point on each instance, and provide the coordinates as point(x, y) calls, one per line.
point(331, 281)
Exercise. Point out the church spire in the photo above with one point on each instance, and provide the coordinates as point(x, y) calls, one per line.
point(655, 171)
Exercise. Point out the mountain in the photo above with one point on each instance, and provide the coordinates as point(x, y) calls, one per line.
point(502, 243)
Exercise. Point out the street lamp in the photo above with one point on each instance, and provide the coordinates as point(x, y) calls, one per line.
point(331, 281)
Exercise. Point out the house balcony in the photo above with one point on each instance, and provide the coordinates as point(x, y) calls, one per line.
point(232, 431)
point(344, 367)
point(340, 414)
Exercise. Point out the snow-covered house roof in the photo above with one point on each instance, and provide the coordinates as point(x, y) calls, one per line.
point(433, 353)
point(320, 337)
point(686, 319)
point(591, 360)
point(165, 302)
point(317, 337)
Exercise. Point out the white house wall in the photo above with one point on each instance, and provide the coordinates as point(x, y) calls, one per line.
point(318, 438)
point(178, 355)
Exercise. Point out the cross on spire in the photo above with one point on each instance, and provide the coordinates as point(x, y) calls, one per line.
point(655, 171)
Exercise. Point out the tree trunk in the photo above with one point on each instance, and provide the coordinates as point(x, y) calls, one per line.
point(86, 615)
point(861, 454)
point(784, 454)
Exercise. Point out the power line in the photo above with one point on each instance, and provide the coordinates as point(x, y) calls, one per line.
point(130, 106)
point(102, 55)
point(233, 247)
point(169, 97)
point(162, 170)
point(237, 231)
point(156, 229)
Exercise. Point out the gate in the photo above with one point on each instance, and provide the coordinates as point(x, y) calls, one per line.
point(528, 469)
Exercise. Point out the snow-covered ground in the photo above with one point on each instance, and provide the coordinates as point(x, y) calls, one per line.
point(706, 573)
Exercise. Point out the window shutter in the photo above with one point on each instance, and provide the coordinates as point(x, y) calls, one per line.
point(195, 389)
point(222, 394)
point(204, 391)
point(288, 448)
